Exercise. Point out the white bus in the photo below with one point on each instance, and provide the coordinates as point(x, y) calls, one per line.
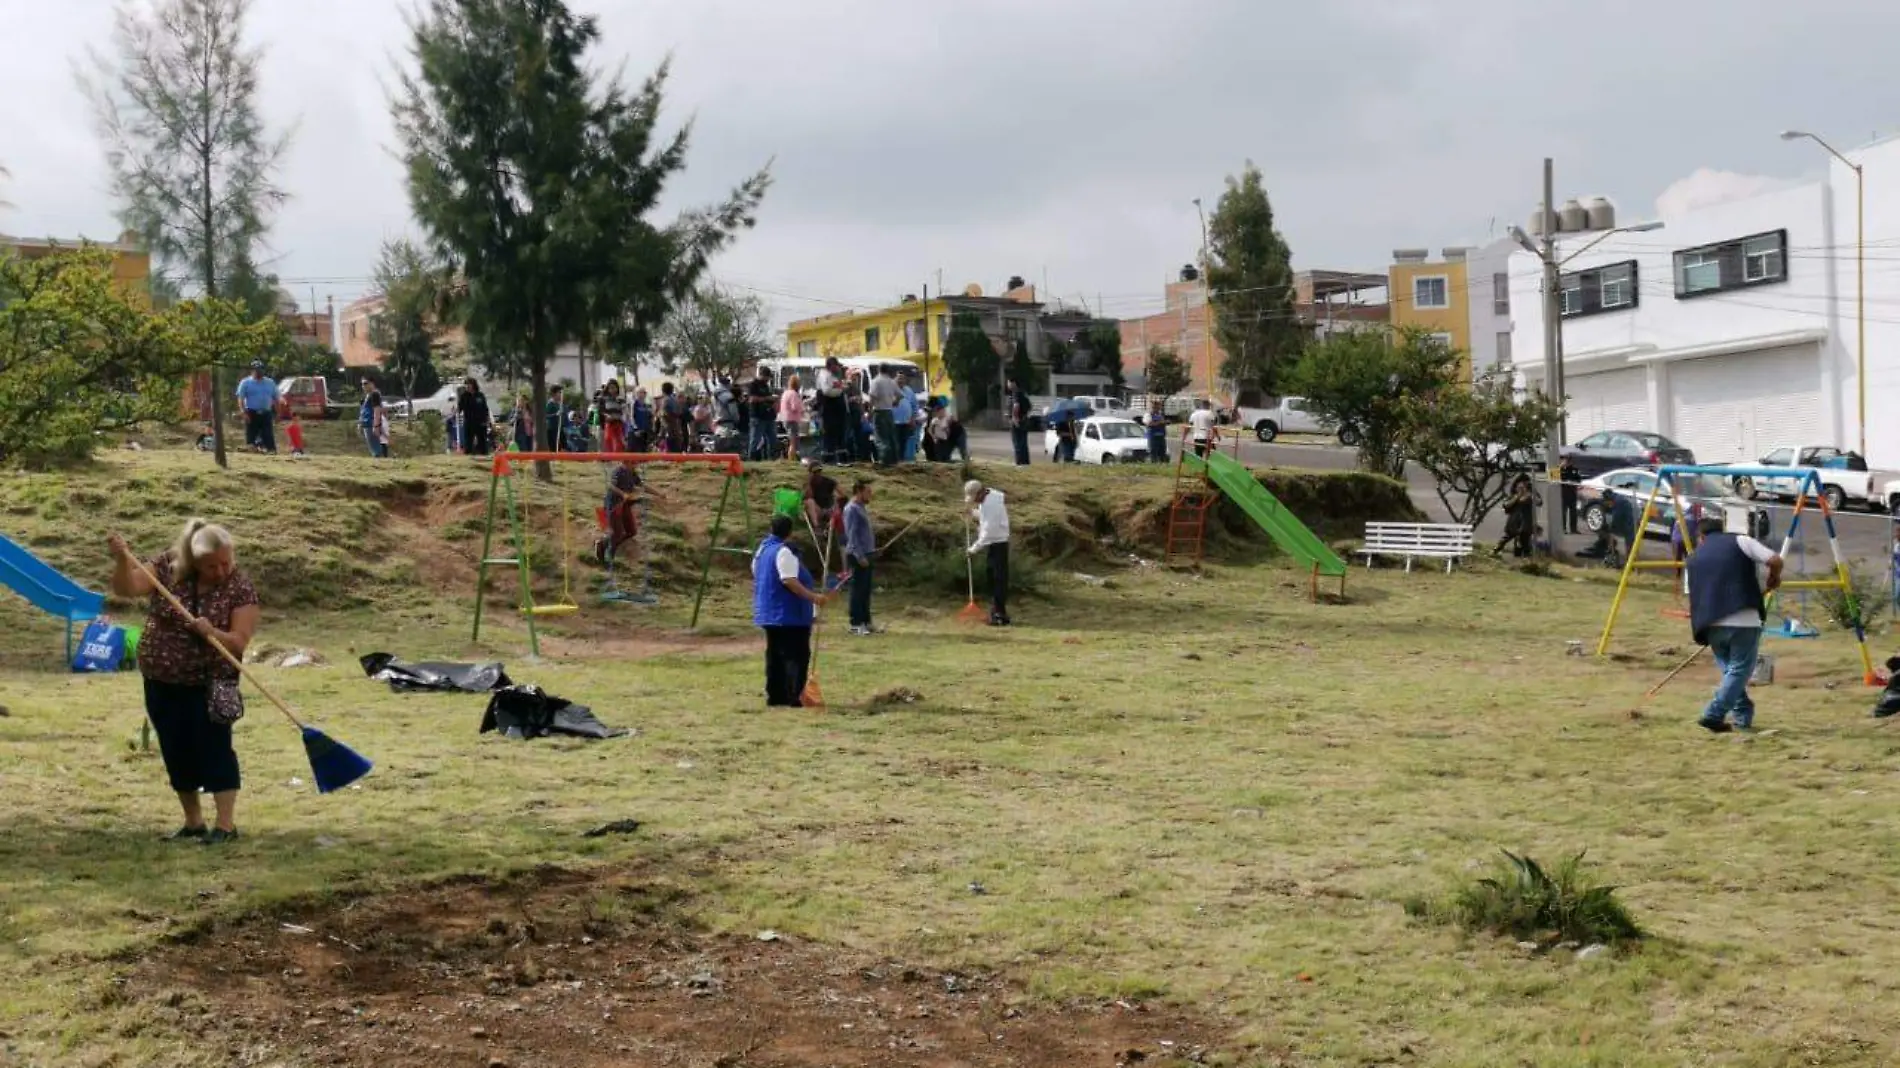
point(857, 369)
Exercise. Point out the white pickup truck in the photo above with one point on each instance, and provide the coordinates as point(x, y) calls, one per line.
point(1290, 416)
point(1845, 479)
point(1890, 493)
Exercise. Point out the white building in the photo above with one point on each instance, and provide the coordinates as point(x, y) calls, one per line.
point(1733, 328)
point(1488, 274)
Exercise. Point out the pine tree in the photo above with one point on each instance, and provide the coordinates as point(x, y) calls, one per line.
point(971, 360)
point(192, 163)
point(1250, 281)
point(533, 180)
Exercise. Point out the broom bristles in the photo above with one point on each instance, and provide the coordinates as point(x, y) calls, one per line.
point(332, 764)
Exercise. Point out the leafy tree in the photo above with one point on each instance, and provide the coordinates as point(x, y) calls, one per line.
point(1104, 340)
point(1057, 354)
point(415, 293)
point(533, 177)
point(1367, 380)
point(82, 355)
point(971, 359)
point(192, 163)
point(1168, 374)
point(1023, 369)
point(1474, 440)
point(1250, 282)
point(715, 333)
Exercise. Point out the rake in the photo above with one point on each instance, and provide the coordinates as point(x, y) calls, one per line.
point(811, 696)
point(333, 765)
point(972, 612)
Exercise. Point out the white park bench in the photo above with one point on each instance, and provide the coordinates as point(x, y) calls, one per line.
point(1439, 541)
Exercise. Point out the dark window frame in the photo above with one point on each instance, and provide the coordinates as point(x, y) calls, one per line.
point(1590, 283)
point(1731, 265)
point(873, 339)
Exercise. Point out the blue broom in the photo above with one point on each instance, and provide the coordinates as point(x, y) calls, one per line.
point(333, 765)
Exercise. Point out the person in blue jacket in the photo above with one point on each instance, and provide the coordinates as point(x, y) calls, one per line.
point(784, 605)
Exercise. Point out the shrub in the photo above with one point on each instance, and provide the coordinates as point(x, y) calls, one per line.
point(1524, 900)
point(1859, 605)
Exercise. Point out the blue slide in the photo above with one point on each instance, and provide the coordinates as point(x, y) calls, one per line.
point(46, 589)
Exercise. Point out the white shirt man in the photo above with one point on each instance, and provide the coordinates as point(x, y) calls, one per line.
point(992, 539)
point(1201, 427)
point(884, 391)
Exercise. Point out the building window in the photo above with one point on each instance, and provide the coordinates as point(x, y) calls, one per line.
point(1504, 347)
point(1760, 259)
point(1443, 341)
point(943, 329)
point(871, 339)
point(1619, 285)
point(1611, 287)
point(1501, 293)
point(808, 350)
point(1431, 291)
point(1015, 330)
point(1697, 272)
point(1571, 288)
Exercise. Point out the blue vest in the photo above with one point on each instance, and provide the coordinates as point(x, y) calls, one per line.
point(772, 604)
point(1722, 582)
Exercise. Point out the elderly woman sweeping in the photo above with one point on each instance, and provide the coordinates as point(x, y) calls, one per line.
point(189, 689)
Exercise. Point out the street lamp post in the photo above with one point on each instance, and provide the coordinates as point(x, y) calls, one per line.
point(1207, 309)
point(1546, 253)
point(1860, 273)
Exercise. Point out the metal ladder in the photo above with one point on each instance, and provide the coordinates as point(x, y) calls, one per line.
point(1187, 511)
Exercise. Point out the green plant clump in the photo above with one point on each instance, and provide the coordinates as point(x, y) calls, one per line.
point(1524, 900)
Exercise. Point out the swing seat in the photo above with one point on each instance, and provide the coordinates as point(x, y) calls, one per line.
point(542, 611)
point(1793, 628)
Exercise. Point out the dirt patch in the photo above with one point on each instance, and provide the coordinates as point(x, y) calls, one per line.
point(598, 969)
point(603, 636)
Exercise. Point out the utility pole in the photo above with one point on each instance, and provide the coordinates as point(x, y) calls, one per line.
point(926, 333)
point(1553, 364)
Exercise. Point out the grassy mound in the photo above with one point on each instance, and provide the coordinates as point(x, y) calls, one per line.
point(342, 533)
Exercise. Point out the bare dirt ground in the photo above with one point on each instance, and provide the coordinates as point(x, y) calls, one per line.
point(596, 969)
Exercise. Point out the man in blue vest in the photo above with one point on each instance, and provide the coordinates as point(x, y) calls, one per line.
point(783, 604)
point(1730, 576)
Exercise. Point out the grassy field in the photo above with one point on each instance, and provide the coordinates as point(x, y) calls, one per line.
point(1202, 792)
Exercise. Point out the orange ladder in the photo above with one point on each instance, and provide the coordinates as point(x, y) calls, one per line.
point(1187, 512)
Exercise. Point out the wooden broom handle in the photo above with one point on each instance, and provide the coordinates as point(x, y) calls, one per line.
point(179, 607)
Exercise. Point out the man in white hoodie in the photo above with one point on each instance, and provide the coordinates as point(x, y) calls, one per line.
point(992, 536)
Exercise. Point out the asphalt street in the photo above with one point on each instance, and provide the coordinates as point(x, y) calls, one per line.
point(1865, 539)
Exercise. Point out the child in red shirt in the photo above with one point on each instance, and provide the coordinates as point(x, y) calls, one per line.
point(294, 431)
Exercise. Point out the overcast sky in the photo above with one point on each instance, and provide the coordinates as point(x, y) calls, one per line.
point(1057, 139)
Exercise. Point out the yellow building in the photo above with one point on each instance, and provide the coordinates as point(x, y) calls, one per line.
point(914, 329)
point(1433, 296)
point(131, 264)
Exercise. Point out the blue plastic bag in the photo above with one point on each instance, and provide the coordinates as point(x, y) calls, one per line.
point(101, 648)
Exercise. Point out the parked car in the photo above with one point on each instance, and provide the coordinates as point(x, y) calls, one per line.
point(1891, 494)
point(1608, 450)
point(1103, 439)
point(1845, 479)
point(1039, 414)
point(306, 396)
point(1707, 491)
point(1290, 416)
point(441, 401)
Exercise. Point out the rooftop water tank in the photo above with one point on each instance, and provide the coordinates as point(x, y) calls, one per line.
point(1600, 213)
point(1571, 217)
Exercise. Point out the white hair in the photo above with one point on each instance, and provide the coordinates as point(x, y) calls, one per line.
point(198, 540)
point(971, 489)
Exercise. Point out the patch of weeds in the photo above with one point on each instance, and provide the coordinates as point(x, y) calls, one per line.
point(1524, 900)
point(1858, 605)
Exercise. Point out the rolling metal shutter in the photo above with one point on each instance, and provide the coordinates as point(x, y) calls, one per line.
point(1608, 400)
point(1730, 409)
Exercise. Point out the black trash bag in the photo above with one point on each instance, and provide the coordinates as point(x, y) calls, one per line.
point(434, 676)
point(1889, 703)
point(530, 712)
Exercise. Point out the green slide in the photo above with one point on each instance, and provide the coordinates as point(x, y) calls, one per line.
point(1281, 525)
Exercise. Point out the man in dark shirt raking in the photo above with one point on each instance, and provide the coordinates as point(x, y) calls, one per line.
point(1730, 576)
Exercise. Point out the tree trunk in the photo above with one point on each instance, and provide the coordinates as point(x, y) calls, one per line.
point(538, 411)
point(211, 293)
